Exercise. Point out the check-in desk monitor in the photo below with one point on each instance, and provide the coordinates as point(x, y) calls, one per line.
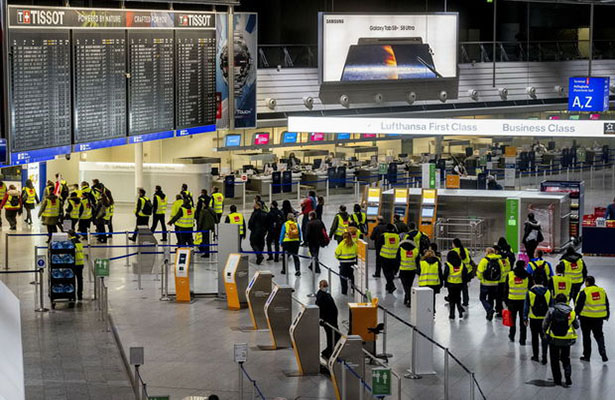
point(373, 202)
point(400, 204)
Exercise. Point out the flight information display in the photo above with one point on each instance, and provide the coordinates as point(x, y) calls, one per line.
point(40, 89)
point(196, 78)
point(151, 88)
point(99, 85)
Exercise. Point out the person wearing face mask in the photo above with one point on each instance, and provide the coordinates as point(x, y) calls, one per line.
point(328, 315)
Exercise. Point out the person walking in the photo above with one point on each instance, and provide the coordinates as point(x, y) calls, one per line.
point(430, 274)
point(421, 241)
point(592, 305)
point(12, 205)
point(287, 208)
point(454, 274)
point(275, 220)
point(574, 268)
point(375, 236)
point(359, 219)
point(109, 211)
point(340, 224)
point(98, 217)
point(506, 269)
point(308, 204)
point(184, 223)
point(560, 326)
point(400, 225)
point(159, 211)
point(535, 309)
point(143, 210)
point(328, 317)
point(320, 207)
point(346, 253)
point(290, 237)
point(30, 199)
point(489, 274)
point(470, 266)
point(177, 204)
point(258, 230)
point(236, 218)
point(3, 190)
point(86, 210)
point(73, 210)
point(50, 213)
point(560, 283)
point(532, 235)
point(186, 194)
point(389, 247)
point(539, 266)
point(316, 238)
point(202, 201)
point(217, 202)
point(79, 263)
point(408, 260)
point(517, 285)
point(206, 224)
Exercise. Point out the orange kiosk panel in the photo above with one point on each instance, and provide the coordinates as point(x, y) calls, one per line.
point(183, 258)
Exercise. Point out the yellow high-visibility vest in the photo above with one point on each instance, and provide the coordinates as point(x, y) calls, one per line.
point(109, 212)
point(346, 253)
point(161, 203)
point(571, 334)
point(407, 259)
point(30, 195)
point(79, 259)
point(390, 246)
point(52, 208)
point(595, 302)
point(533, 300)
point(87, 208)
point(287, 226)
point(455, 274)
point(562, 285)
point(342, 226)
point(430, 274)
point(187, 218)
point(217, 202)
point(574, 270)
point(237, 219)
point(517, 287)
point(74, 212)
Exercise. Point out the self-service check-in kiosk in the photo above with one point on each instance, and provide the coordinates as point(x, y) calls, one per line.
point(429, 210)
point(236, 281)
point(304, 334)
point(257, 293)
point(278, 310)
point(400, 204)
point(229, 244)
point(372, 202)
point(348, 349)
point(363, 317)
point(183, 259)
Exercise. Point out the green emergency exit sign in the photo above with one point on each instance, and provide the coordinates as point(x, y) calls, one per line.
point(381, 381)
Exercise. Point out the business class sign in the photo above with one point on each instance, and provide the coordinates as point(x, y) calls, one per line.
point(461, 127)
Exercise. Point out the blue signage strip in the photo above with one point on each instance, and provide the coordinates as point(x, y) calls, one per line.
point(588, 94)
point(99, 144)
point(195, 130)
point(150, 136)
point(30, 156)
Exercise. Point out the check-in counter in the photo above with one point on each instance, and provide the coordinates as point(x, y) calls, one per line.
point(315, 180)
point(369, 175)
point(598, 241)
point(260, 183)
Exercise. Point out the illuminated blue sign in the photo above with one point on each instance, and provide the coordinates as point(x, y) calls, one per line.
point(30, 156)
point(343, 136)
point(588, 94)
point(151, 136)
point(101, 144)
point(195, 130)
point(289, 137)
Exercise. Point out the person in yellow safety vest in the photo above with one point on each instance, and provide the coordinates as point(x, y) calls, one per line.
point(454, 275)
point(73, 209)
point(109, 211)
point(290, 239)
point(86, 191)
point(143, 210)
point(11, 202)
point(560, 283)
point(86, 211)
point(489, 273)
point(3, 190)
point(535, 309)
point(340, 224)
point(346, 252)
point(560, 326)
point(430, 274)
point(217, 203)
point(237, 218)
point(470, 266)
point(506, 268)
point(359, 219)
point(79, 263)
point(574, 268)
point(515, 292)
point(186, 194)
point(389, 248)
point(49, 187)
point(355, 233)
point(50, 213)
point(179, 201)
point(408, 259)
point(29, 199)
point(184, 224)
point(159, 211)
point(592, 305)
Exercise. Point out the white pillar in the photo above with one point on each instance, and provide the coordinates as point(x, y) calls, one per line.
point(138, 166)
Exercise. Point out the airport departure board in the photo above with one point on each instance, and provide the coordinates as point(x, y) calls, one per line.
point(40, 89)
point(196, 78)
point(99, 84)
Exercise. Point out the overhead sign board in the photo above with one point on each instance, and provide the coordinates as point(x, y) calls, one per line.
point(457, 127)
point(588, 94)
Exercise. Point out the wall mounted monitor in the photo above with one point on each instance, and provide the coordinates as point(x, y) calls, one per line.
point(555, 117)
point(368, 135)
point(343, 136)
point(289, 137)
point(317, 137)
point(594, 116)
point(427, 213)
point(232, 140)
point(261, 138)
point(3, 157)
point(574, 117)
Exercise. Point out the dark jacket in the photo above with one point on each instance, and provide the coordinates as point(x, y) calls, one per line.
point(580, 303)
point(314, 233)
point(273, 227)
point(559, 307)
point(573, 258)
point(536, 289)
point(207, 219)
point(401, 226)
point(506, 251)
point(328, 309)
point(446, 271)
point(377, 232)
point(200, 205)
point(319, 209)
point(345, 216)
point(258, 225)
point(529, 227)
point(519, 272)
point(610, 211)
point(155, 204)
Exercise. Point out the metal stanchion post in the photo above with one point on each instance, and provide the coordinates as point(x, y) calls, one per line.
point(6, 249)
point(244, 196)
point(137, 380)
point(240, 383)
point(568, 173)
point(40, 276)
point(384, 354)
point(446, 373)
point(164, 284)
point(327, 189)
point(270, 193)
point(344, 366)
point(314, 266)
point(298, 191)
point(472, 387)
point(591, 176)
point(127, 262)
point(139, 267)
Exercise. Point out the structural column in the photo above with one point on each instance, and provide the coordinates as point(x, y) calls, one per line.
point(138, 165)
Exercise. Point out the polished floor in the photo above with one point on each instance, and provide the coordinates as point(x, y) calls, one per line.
point(189, 347)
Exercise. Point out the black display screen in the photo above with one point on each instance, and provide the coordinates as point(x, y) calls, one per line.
point(196, 78)
point(99, 85)
point(40, 89)
point(151, 84)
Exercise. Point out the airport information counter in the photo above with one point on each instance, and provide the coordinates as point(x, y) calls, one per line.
point(598, 241)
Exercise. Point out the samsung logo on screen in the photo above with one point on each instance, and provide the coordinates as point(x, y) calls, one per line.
point(335, 21)
point(40, 17)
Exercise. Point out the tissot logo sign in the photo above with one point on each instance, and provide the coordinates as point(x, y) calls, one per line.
point(40, 17)
point(196, 20)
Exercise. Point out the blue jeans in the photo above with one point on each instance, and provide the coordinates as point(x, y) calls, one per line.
point(488, 295)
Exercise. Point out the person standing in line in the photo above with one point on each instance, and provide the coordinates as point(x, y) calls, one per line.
point(430, 274)
point(184, 223)
point(538, 266)
point(359, 219)
point(143, 209)
point(346, 253)
point(29, 199)
point(236, 218)
point(73, 210)
point(535, 309)
point(98, 217)
point(574, 268)
point(202, 201)
point(328, 315)
point(400, 225)
point(177, 204)
point(315, 236)
point(376, 234)
point(489, 273)
point(421, 241)
point(287, 208)
point(159, 211)
point(79, 262)
point(109, 211)
point(308, 204)
point(12, 205)
point(389, 247)
point(470, 266)
point(592, 305)
point(186, 194)
point(515, 291)
point(454, 274)
point(3, 190)
point(320, 207)
point(206, 225)
point(275, 220)
point(532, 235)
point(217, 203)
point(408, 259)
point(86, 209)
point(560, 326)
point(340, 224)
point(258, 230)
point(290, 237)
point(560, 283)
point(50, 212)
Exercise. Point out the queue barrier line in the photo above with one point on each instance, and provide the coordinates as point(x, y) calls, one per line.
point(253, 382)
point(98, 233)
point(356, 375)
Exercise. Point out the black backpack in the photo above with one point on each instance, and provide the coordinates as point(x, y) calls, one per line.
point(14, 201)
point(540, 306)
point(559, 322)
point(147, 207)
point(540, 271)
point(424, 243)
point(493, 271)
point(277, 219)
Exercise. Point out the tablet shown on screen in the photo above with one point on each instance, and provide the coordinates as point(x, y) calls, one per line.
point(343, 136)
point(289, 137)
point(368, 135)
point(261, 138)
point(317, 137)
point(232, 140)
